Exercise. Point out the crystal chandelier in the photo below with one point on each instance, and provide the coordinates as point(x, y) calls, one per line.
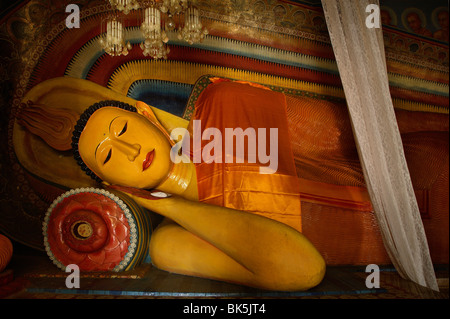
point(193, 30)
point(173, 7)
point(113, 40)
point(155, 41)
point(160, 17)
point(125, 5)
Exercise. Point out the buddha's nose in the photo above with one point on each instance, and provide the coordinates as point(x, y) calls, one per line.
point(131, 150)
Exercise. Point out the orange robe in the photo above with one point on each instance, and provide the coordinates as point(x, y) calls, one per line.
point(241, 186)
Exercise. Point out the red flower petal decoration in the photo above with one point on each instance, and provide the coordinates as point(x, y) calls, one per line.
point(87, 229)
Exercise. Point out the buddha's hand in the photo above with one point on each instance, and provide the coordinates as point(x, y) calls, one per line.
point(143, 197)
point(152, 194)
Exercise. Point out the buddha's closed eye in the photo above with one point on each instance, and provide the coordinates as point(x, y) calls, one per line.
point(123, 130)
point(108, 157)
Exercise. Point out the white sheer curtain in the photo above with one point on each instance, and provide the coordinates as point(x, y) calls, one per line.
point(360, 57)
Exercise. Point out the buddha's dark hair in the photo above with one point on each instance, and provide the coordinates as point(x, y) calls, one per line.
point(81, 123)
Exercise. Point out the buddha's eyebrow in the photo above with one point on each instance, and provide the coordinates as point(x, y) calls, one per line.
point(110, 123)
point(109, 128)
point(95, 153)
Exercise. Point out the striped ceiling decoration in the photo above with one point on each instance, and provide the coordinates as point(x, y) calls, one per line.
point(275, 58)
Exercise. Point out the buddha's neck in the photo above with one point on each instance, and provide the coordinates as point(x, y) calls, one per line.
point(182, 180)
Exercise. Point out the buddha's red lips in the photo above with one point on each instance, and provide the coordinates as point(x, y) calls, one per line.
point(148, 160)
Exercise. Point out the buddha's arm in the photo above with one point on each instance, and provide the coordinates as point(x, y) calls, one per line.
point(273, 255)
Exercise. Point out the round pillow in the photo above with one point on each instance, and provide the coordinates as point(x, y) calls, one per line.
point(97, 230)
point(6, 251)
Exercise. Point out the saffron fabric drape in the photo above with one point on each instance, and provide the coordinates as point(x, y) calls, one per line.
point(360, 56)
point(239, 184)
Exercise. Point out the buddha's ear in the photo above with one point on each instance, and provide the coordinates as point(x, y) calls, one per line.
point(145, 110)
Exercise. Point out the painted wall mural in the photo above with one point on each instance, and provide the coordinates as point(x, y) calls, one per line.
point(278, 43)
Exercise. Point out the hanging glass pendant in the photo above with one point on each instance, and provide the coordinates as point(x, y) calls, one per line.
point(173, 7)
point(113, 39)
point(193, 30)
point(155, 41)
point(125, 5)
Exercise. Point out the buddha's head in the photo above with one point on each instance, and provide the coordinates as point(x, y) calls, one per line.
point(115, 144)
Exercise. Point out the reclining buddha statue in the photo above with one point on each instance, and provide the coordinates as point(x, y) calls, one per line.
point(225, 219)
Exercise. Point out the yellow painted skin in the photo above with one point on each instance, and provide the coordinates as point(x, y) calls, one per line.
point(195, 238)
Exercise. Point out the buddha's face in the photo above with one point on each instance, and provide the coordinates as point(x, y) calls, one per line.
point(124, 148)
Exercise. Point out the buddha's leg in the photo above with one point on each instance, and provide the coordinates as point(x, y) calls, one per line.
point(174, 249)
